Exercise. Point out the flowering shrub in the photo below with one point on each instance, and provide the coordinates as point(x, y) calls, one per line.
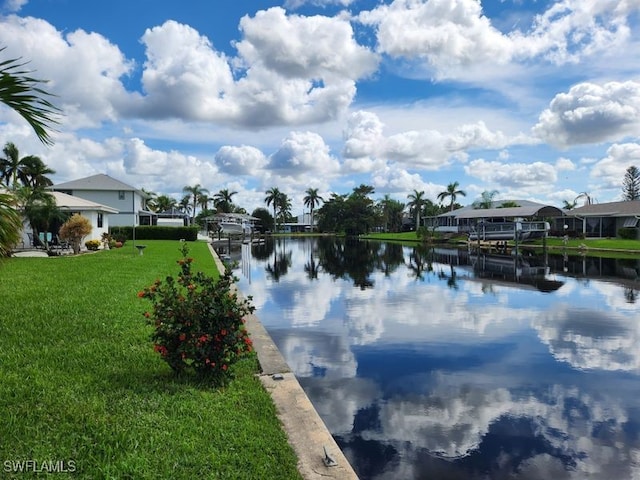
point(92, 244)
point(198, 321)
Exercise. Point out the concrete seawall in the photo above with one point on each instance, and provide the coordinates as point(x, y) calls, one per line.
point(307, 433)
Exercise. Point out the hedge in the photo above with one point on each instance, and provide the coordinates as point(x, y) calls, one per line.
point(630, 233)
point(146, 232)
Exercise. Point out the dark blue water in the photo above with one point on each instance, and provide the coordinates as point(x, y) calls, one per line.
point(440, 364)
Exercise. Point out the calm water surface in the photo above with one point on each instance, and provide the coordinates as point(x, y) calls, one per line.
point(438, 364)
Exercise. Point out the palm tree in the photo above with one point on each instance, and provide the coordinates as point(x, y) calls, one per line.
point(10, 223)
point(22, 93)
point(587, 198)
point(416, 201)
point(165, 202)
point(567, 205)
point(194, 192)
point(34, 173)
point(185, 204)
point(150, 202)
point(273, 194)
point(13, 168)
point(284, 207)
point(223, 200)
point(312, 200)
point(486, 200)
point(452, 193)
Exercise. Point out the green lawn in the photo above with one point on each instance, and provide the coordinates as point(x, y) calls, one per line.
point(81, 383)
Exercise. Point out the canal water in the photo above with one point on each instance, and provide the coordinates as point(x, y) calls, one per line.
point(442, 364)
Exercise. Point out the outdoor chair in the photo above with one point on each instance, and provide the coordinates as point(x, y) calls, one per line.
point(61, 244)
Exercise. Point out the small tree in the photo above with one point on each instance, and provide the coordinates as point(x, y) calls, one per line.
point(74, 230)
point(631, 184)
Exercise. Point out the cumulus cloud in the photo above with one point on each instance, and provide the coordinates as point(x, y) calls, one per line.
point(293, 4)
point(452, 38)
point(512, 174)
point(303, 154)
point(426, 149)
point(610, 170)
point(591, 113)
point(13, 5)
point(157, 165)
point(84, 69)
point(243, 160)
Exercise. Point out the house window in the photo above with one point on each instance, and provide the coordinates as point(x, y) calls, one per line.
point(120, 194)
point(99, 219)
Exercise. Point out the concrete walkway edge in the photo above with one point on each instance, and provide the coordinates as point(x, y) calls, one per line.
point(307, 433)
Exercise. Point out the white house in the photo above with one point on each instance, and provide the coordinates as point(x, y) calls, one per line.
point(99, 215)
point(128, 201)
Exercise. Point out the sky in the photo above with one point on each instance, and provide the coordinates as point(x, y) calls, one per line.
point(534, 99)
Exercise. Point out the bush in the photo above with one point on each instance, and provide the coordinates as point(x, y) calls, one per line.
point(92, 244)
point(198, 322)
point(74, 230)
point(629, 233)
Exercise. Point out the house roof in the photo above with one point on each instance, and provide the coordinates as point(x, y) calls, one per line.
point(100, 182)
point(530, 210)
point(494, 205)
point(612, 209)
point(70, 202)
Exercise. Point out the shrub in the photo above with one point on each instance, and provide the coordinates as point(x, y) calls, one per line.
point(629, 233)
point(92, 244)
point(198, 321)
point(74, 230)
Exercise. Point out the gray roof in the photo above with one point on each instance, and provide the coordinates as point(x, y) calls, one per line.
point(512, 212)
point(494, 206)
point(70, 202)
point(99, 182)
point(611, 209)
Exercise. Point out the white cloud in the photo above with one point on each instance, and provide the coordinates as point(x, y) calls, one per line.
point(293, 4)
point(243, 160)
point(610, 170)
point(303, 154)
point(591, 113)
point(454, 39)
point(512, 174)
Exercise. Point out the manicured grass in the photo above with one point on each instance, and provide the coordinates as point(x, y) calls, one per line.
point(80, 381)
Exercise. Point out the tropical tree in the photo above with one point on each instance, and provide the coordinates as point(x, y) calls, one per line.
point(391, 212)
point(34, 173)
point(12, 167)
point(150, 202)
point(451, 193)
point(587, 198)
point(312, 200)
point(223, 201)
point(567, 205)
point(194, 192)
point(162, 203)
point(24, 94)
point(284, 207)
point(40, 209)
point(416, 202)
point(486, 200)
point(271, 198)
point(10, 223)
point(266, 220)
point(631, 184)
point(185, 204)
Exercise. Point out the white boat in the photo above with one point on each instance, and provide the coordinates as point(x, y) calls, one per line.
point(235, 224)
point(507, 230)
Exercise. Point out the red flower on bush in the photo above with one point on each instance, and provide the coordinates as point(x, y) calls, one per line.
point(198, 321)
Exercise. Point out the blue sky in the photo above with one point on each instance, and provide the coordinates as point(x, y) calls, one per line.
point(538, 100)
